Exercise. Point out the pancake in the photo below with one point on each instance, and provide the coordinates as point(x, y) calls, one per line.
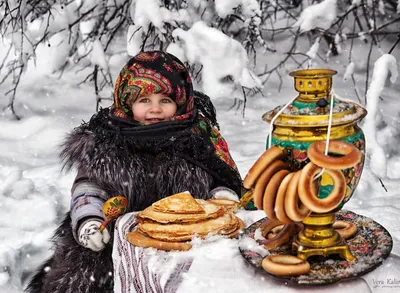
point(234, 225)
point(210, 211)
point(172, 222)
point(237, 232)
point(232, 231)
point(138, 239)
point(167, 237)
point(184, 232)
point(180, 203)
point(228, 204)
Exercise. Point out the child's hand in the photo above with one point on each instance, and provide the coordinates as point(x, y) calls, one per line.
point(91, 237)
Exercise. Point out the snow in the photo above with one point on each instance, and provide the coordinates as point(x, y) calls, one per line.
point(225, 58)
point(312, 53)
point(133, 39)
point(349, 71)
point(57, 19)
point(383, 66)
point(226, 7)
point(319, 15)
point(177, 51)
point(98, 56)
point(146, 12)
point(35, 193)
point(86, 27)
point(52, 54)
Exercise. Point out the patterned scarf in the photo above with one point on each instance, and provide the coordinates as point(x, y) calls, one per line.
point(153, 72)
point(192, 133)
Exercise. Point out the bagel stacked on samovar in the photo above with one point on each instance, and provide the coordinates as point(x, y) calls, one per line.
point(289, 197)
point(172, 222)
point(292, 196)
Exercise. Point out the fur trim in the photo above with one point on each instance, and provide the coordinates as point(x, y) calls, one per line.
point(77, 148)
point(74, 268)
point(143, 178)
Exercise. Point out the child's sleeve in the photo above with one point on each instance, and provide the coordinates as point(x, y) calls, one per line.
point(86, 202)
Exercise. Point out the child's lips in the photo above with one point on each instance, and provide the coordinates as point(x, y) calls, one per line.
point(154, 120)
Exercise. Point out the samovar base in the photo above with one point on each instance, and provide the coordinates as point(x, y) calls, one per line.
point(319, 238)
point(341, 249)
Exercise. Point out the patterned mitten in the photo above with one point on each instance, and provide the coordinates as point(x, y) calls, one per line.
point(91, 237)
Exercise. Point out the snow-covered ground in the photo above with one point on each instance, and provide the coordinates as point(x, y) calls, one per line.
point(34, 193)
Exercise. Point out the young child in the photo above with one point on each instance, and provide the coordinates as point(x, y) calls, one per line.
point(157, 139)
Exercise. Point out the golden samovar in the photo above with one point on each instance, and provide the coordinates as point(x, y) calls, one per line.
point(303, 122)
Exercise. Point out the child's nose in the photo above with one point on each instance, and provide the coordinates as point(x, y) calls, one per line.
point(156, 108)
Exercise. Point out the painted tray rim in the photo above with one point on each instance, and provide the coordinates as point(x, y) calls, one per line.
point(344, 270)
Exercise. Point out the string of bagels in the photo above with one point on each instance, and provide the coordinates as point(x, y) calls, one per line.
point(289, 197)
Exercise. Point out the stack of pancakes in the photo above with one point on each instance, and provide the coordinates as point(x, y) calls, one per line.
point(171, 223)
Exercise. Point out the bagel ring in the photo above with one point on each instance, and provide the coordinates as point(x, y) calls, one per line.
point(280, 200)
point(309, 197)
point(351, 155)
point(297, 227)
point(271, 191)
point(274, 231)
point(294, 208)
point(285, 265)
point(270, 155)
point(280, 237)
point(344, 228)
point(262, 181)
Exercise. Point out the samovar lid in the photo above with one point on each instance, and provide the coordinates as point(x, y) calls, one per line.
point(311, 107)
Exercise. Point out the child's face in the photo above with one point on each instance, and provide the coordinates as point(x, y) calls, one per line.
point(153, 108)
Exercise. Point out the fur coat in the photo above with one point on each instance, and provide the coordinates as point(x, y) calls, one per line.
point(142, 178)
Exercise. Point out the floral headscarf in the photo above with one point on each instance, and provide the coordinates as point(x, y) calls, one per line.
point(153, 72)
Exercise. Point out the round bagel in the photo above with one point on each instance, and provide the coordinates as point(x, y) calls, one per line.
point(294, 208)
point(280, 200)
point(270, 155)
point(274, 231)
point(285, 265)
point(345, 229)
point(263, 180)
point(350, 155)
point(297, 227)
point(309, 197)
point(268, 225)
point(280, 237)
point(270, 193)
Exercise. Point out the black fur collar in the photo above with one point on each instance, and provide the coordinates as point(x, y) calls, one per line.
point(143, 177)
point(146, 168)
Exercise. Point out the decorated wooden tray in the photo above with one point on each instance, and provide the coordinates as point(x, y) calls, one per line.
point(371, 245)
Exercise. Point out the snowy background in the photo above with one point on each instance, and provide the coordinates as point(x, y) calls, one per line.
point(35, 194)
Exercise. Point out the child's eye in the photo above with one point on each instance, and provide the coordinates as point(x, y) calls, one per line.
point(166, 101)
point(144, 100)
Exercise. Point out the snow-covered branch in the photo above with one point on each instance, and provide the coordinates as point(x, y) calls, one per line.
point(386, 65)
point(55, 36)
